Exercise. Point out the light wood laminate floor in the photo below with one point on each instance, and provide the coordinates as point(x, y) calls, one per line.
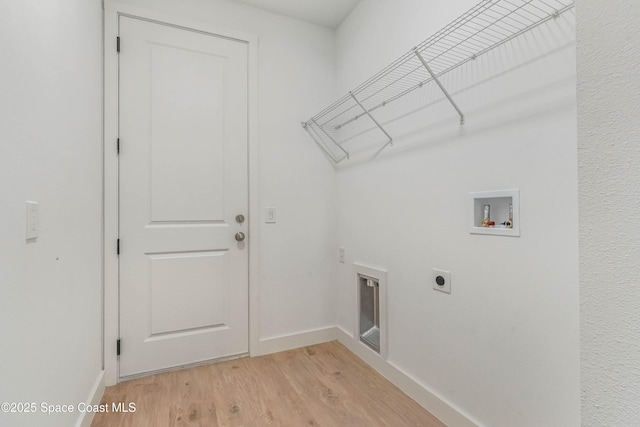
point(322, 385)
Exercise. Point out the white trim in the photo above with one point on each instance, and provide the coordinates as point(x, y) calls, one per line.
point(440, 408)
point(110, 194)
point(95, 396)
point(112, 10)
point(254, 201)
point(302, 339)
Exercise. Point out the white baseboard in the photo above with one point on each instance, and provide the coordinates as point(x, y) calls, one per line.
point(437, 406)
point(289, 342)
point(95, 395)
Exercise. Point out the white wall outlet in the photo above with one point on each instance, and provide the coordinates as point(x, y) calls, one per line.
point(442, 281)
point(341, 255)
point(270, 215)
point(33, 220)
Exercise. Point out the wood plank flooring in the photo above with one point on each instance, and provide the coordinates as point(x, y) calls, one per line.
point(323, 385)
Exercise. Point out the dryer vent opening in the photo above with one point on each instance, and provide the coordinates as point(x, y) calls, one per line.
point(369, 304)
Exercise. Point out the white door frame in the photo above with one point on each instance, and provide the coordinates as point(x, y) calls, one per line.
point(112, 11)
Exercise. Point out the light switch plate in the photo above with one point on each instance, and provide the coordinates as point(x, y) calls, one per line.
point(33, 220)
point(270, 215)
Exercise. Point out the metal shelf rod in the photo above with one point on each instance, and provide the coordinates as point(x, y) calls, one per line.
point(390, 142)
point(444, 90)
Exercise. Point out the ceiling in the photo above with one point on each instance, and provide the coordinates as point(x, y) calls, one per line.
point(329, 13)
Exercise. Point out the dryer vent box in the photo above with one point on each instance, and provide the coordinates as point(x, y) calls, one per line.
point(369, 312)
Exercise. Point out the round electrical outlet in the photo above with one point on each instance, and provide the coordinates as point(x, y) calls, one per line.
point(440, 281)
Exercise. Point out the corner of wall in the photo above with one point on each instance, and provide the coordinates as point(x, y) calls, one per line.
point(95, 395)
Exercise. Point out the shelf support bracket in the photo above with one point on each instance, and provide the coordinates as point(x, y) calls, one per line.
point(390, 142)
point(310, 130)
point(332, 140)
point(442, 88)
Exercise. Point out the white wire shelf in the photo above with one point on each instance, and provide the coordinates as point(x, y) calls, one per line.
point(484, 27)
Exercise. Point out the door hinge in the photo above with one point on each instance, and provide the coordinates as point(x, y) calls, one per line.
point(118, 146)
point(118, 44)
point(118, 348)
point(118, 247)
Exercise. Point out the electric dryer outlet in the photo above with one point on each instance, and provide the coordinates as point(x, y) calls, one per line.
point(442, 280)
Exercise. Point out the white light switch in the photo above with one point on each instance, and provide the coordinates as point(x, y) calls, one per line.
point(270, 215)
point(33, 220)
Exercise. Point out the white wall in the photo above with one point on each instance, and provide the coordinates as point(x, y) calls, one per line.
point(503, 348)
point(295, 61)
point(609, 190)
point(50, 152)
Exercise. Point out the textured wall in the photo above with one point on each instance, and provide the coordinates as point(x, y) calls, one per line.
point(609, 200)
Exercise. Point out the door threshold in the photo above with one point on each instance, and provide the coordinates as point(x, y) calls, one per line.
point(185, 366)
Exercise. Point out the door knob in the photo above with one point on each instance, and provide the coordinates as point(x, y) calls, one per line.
point(240, 236)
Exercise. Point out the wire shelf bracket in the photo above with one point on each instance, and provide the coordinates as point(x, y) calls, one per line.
point(442, 88)
point(390, 142)
point(487, 25)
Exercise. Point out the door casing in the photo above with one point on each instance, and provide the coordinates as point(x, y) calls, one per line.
point(112, 11)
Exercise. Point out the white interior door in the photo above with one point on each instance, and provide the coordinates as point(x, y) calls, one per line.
point(183, 180)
